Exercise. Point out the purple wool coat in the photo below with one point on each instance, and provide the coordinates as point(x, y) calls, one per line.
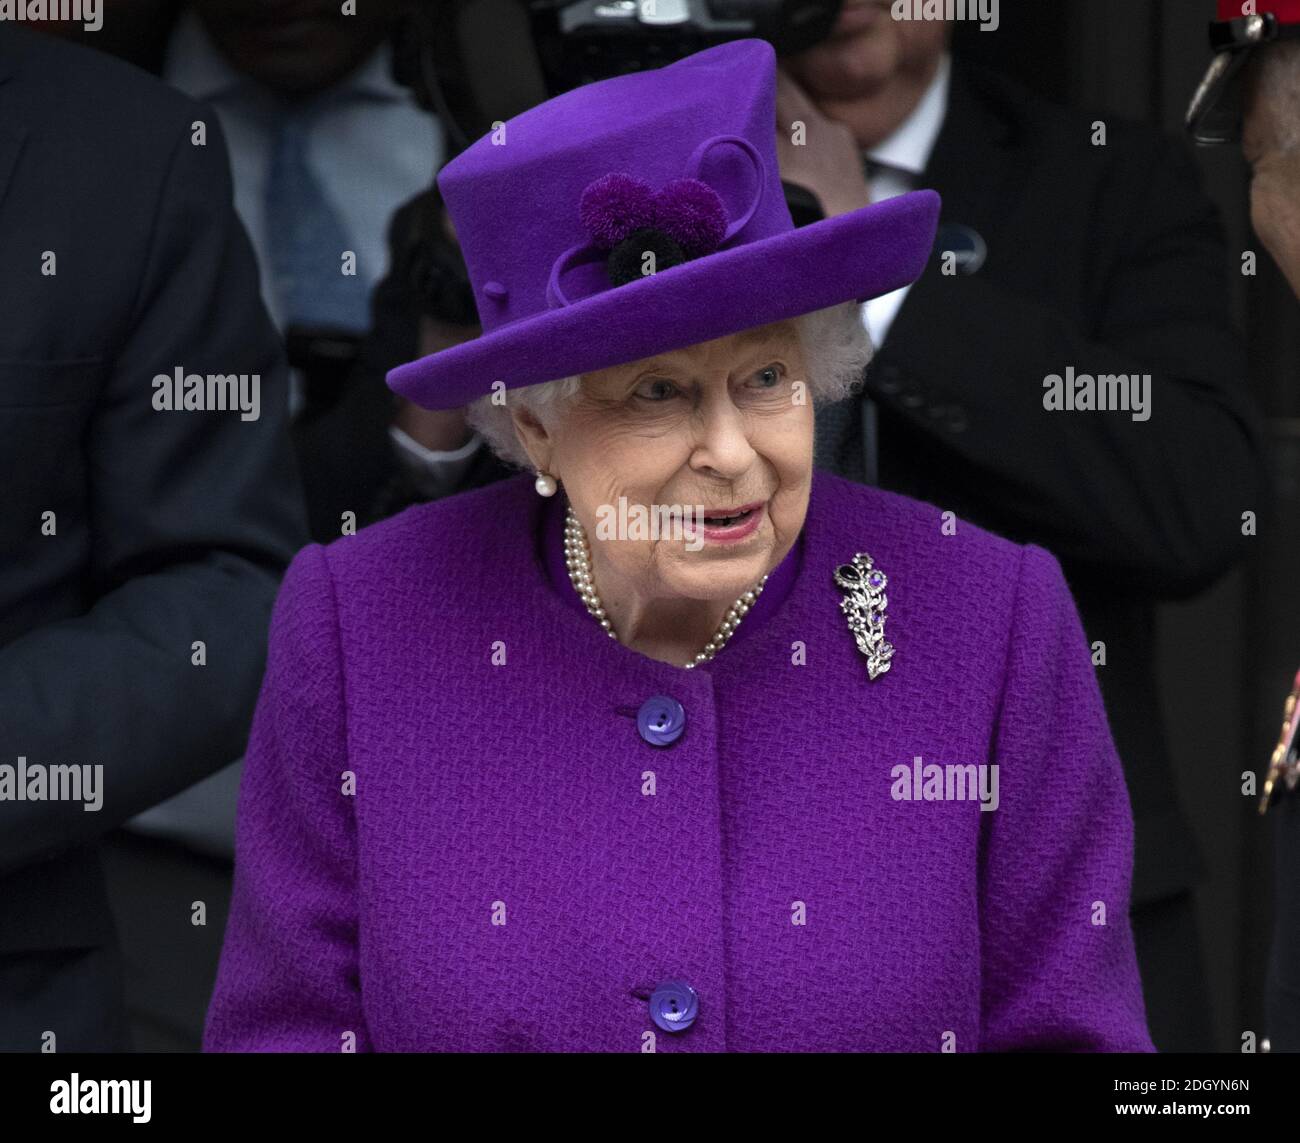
point(453, 836)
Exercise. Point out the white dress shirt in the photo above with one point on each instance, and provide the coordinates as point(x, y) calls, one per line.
point(902, 157)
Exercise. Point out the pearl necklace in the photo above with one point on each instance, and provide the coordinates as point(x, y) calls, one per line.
point(578, 559)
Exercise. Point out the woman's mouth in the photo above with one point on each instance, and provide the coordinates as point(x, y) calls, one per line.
point(726, 521)
point(730, 524)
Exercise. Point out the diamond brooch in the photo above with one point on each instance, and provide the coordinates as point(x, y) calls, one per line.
point(864, 606)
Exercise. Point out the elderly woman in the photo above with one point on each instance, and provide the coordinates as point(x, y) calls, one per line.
point(698, 749)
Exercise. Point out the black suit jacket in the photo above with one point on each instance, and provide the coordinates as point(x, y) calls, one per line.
point(1109, 259)
point(171, 527)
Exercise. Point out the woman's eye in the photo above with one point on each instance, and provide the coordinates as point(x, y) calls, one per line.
point(769, 377)
point(656, 389)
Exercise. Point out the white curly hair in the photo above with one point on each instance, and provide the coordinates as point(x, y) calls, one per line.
point(836, 350)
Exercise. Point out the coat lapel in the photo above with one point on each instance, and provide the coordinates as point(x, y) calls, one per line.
point(970, 158)
point(968, 167)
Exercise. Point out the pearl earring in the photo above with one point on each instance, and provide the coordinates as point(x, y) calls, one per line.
point(545, 484)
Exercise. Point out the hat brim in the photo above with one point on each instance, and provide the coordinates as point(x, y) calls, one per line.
point(852, 257)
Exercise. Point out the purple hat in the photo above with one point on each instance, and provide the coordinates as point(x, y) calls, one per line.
point(641, 214)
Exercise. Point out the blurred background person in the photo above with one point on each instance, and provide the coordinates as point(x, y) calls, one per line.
point(327, 138)
point(325, 145)
point(1251, 95)
point(399, 453)
point(143, 546)
point(329, 134)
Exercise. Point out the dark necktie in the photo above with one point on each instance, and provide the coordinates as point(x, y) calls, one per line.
point(306, 238)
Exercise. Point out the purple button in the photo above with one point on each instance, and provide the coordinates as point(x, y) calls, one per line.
point(661, 720)
point(674, 1006)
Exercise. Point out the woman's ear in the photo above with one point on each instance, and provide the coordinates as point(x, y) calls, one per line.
point(532, 435)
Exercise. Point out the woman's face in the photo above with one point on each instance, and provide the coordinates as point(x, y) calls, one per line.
point(725, 424)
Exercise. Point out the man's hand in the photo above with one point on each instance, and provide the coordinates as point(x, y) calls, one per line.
point(1275, 209)
point(828, 162)
point(439, 430)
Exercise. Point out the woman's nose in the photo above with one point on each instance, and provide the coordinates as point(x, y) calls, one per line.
point(722, 439)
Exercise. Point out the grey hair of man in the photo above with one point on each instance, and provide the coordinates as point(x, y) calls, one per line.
point(836, 350)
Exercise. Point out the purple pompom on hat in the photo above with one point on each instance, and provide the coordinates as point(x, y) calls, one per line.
point(693, 213)
point(615, 206)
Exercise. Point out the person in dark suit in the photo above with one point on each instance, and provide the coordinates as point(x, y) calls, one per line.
point(399, 454)
point(1251, 95)
point(1061, 248)
point(143, 542)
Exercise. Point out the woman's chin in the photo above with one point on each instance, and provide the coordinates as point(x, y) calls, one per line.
point(717, 580)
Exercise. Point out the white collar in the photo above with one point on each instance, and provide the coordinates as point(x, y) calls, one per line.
point(908, 148)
